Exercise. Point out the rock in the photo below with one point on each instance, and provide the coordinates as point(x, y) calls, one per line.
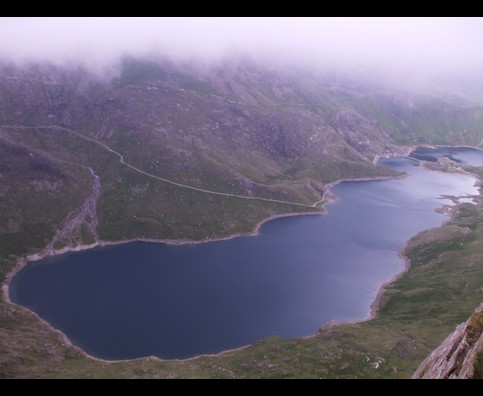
point(456, 356)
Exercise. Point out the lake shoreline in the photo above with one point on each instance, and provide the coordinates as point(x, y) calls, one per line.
point(327, 198)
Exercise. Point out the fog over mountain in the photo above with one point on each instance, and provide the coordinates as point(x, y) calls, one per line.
point(410, 45)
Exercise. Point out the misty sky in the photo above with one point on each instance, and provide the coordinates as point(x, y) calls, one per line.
point(426, 43)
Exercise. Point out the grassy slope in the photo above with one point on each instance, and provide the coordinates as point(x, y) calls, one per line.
point(36, 194)
point(134, 205)
point(423, 119)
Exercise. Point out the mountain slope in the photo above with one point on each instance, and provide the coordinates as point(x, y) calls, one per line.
point(170, 124)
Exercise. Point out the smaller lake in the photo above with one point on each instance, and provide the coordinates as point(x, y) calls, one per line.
point(140, 299)
point(462, 155)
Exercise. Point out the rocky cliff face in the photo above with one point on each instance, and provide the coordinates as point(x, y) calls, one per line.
point(457, 357)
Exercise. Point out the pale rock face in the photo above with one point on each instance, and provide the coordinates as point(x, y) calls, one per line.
point(456, 356)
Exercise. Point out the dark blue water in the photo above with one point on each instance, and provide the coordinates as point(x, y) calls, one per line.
point(462, 155)
point(300, 272)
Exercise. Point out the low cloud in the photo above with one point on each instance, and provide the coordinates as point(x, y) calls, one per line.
point(430, 45)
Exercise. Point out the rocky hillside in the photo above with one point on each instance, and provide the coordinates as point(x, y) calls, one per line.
point(460, 355)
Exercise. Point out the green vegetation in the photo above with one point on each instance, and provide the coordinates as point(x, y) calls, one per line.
point(411, 119)
point(475, 327)
point(474, 332)
point(37, 193)
point(133, 205)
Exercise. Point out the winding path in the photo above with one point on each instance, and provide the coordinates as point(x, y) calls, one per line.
point(122, 161)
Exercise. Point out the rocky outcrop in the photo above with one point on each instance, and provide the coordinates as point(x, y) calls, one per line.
point(457, 356)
